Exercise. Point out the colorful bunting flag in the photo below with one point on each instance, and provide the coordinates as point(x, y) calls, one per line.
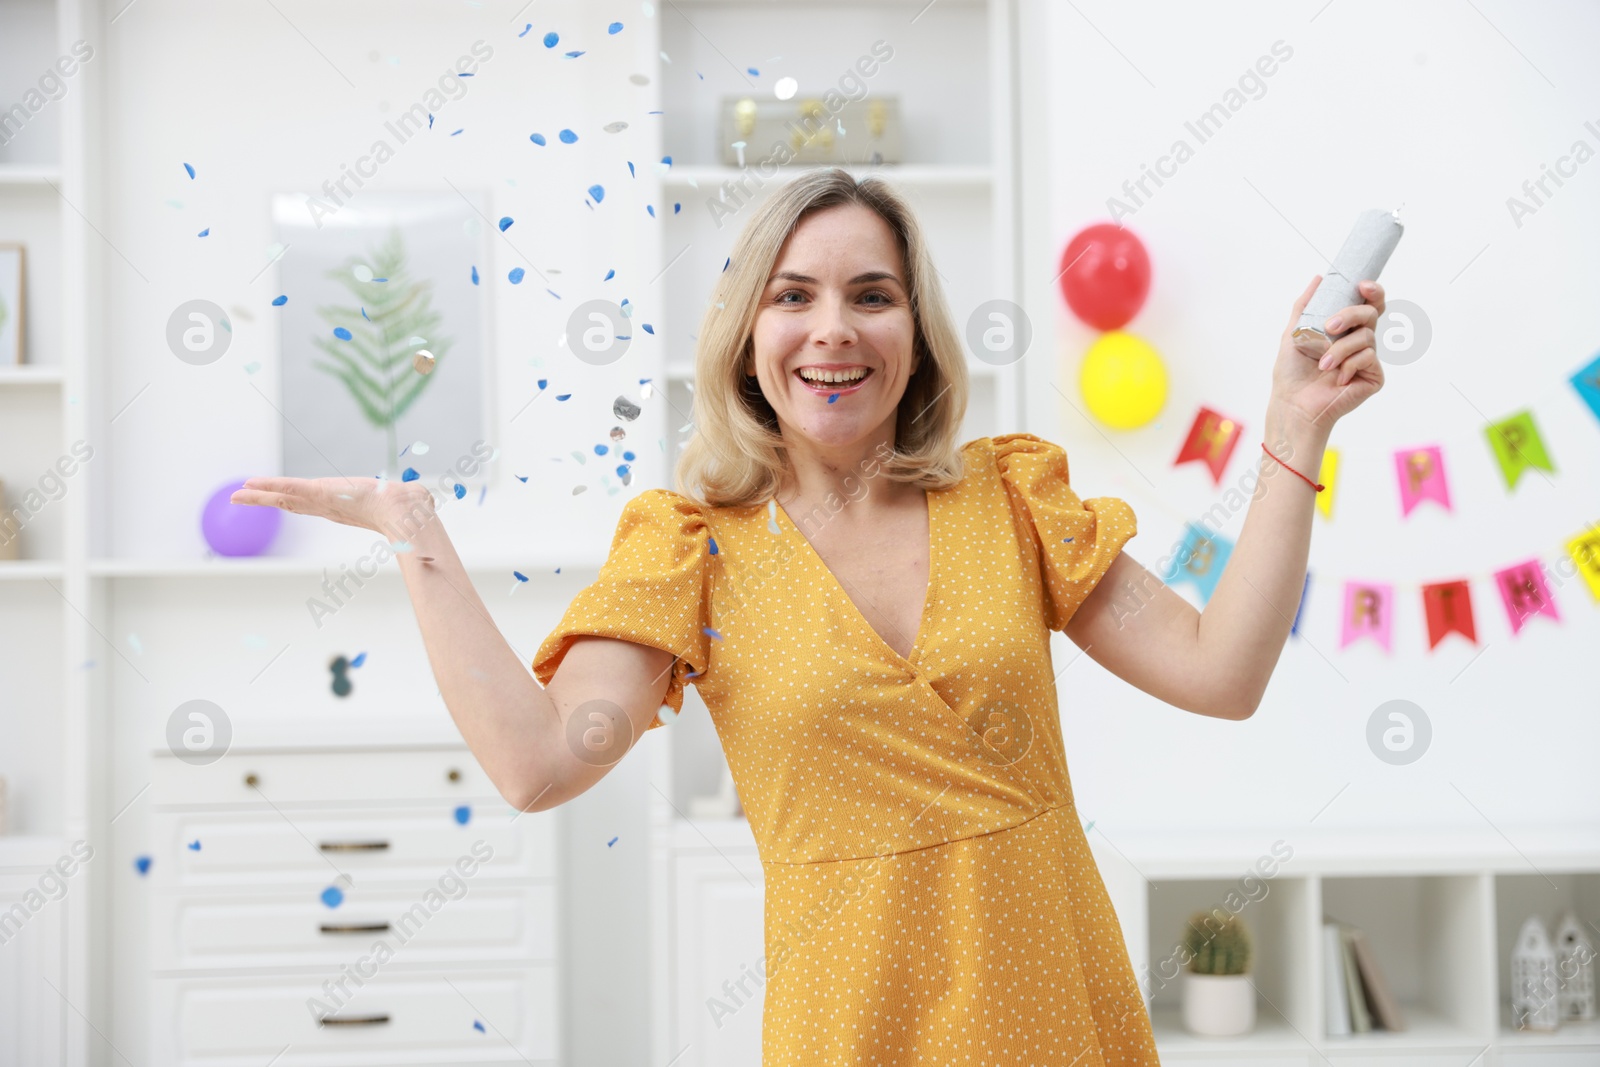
point(1421, 474)
point(1523, 590)
point(1294, 627)
point(1585, 552)
point(1448, 606)
point(1200, 560)
point(1211, 439)
point(1367, 613)
point(1327, 478)
point(1517, 446)
point(1587, 383)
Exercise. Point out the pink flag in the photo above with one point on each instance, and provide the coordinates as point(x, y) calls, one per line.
point(1421, 474)
point(1524, 593)
point(1368, 609)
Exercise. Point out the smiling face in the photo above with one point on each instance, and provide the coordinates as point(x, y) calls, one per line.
point(835, 307)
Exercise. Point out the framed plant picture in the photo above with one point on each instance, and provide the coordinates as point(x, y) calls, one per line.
point(13, 272)
point(386, 277)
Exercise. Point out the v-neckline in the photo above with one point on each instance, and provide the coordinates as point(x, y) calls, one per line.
point(910, 662)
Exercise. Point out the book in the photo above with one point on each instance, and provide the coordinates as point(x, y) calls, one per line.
point(1360, 1018)
point(1335, 1000)
point(1384, 1007)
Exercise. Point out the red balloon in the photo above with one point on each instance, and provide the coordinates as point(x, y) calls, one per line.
point(1105, 275)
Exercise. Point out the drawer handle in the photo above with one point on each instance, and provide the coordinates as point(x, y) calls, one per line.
point(353, 846)
point(453, 774)
point(354, 928)
point(354, 1020)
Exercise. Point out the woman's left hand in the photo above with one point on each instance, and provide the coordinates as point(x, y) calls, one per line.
point(1348, 373)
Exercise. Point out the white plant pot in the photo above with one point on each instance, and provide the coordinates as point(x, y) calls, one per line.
point(1218, 1005)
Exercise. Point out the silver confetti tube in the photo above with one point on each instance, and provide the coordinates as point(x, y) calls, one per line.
point(1362, 257)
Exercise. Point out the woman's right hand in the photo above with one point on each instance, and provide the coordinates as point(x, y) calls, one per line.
point(386, 507)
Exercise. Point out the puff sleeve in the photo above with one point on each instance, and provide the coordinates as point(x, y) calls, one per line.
point(653, 589)
point(1077, 539)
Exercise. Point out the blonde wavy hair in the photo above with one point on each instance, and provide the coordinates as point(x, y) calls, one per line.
point(737, 455)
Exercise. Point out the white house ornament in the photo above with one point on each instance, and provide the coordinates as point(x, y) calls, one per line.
point(1574, 970)
point(1534, 1003)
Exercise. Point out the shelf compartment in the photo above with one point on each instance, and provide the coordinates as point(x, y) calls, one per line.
point(1276, 912)
point(1430, 934)
point(1547, 893)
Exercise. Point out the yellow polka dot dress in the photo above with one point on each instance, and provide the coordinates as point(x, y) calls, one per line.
point(930, 897)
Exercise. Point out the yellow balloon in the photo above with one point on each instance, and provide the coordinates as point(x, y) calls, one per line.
point(1123, 380)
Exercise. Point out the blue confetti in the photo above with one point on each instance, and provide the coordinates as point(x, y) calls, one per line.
point(142, 865)
point(574, 55)
point(341, 333)
point(409, 475)
point(563, 396)
point(613, 841)
point(615, 27)
point(601, 450)
point(542, 383)
point(553, 293)
point(364, 314)
point(430, 120)
point(1066, 539)
point(754, 73)
point(649, 329)
point(631, 174)
point(279, 301)
point(652, 209)
point(333, 896)
point(194, 846)
point(519, 576)
point(454, 132)
point(476, 1025)
point(505, 223)
point(474, 274)
point(523, 478)
point(467, 74)
point(515, 275)
point(525, 30)
point(832, 397)
point(725, 264)
point(190, 169)
point(628, 456)
point(379, 281)
point(567, 136)
point(713, 542)
point(622, 470)
point(676, 207)
point(205, 232)
point(598, 192)
point(667, 160)
point(713, 633)
point(461, 490)
point(551, 39)
point(463, 814)
point(361, 657)
point(536, 138)
point(609, 275)
point(483, 490)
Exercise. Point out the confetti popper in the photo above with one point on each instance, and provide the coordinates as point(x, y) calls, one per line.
point(1361, 258)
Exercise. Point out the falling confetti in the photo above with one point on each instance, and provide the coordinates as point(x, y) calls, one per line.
point(615, 127)
point(598, 192)
point(515, 275)
point(711, 632)
point(712, 541)
point(460, 490)
point(359, 660)
point(785, 88)
point(463, 814)
point(615, 27)
point(362, 272)
point(333, 896)
point(423, 362)
point(474, 274)
point(772, 516)
point(190, 169)
point(525, 30)
point(142, 865)
point(341, 333)
point(505, 223)
point(613, 841)
point(194, 846)
point(279, 301)
point(205, 232)
point(609, 275)
point(551, 39)
point(519, 576)
point(536, 138)
point(567, 136)
point(476, 1025)
point(409, 475)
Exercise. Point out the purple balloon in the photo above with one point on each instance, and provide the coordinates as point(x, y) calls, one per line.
point(238, 529)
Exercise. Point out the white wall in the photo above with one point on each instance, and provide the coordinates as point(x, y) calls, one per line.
point(1448, 108)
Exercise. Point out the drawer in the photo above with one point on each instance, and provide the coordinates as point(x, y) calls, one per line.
point(461, 920)
point(1235, 1059)
point(1402, 1058)
point(1574, 1056)
point(309, 849)
point(322, 777)
point(389, 1019)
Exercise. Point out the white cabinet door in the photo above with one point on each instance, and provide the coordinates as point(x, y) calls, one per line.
point(718, 980)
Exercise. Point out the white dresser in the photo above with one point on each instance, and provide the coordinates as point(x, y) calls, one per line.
point(348, 907)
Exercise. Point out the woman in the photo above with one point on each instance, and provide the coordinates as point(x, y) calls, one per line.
point(865, 606)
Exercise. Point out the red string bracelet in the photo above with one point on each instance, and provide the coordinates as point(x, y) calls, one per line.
point(1291, 470)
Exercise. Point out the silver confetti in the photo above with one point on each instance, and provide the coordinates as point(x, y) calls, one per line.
point(625, 409)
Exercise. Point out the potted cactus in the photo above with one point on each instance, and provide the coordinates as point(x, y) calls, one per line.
point(1218, 997)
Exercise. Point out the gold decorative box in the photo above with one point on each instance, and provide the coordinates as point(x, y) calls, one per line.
point(810, 129)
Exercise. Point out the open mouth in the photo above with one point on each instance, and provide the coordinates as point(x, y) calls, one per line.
point(847, 382)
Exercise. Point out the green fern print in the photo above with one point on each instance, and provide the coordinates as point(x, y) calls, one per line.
point(375, 364)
